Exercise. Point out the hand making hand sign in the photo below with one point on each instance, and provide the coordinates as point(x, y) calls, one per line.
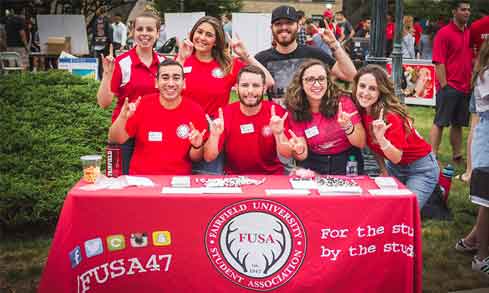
point(216, 126)
point(277, 122)
point(128, 109)
point(296, 144)
point(185, 48)
point(196, 137)
point(108, 61)
point(344, 118)
point(238, 47)
point(328, 36)
point(379, 127)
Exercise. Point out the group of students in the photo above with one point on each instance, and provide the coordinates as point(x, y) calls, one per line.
point(173, 116)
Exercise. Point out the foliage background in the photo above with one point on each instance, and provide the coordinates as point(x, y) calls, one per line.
point(48, 121)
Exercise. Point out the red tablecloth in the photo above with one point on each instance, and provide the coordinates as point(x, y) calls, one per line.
point(139, 240)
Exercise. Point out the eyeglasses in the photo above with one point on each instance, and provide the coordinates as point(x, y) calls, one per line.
point(310, 80)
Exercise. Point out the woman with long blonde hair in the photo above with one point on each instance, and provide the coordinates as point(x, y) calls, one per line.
point(324, 119)
point(391, 134)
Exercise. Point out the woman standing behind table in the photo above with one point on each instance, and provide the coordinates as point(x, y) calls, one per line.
point(325, 119)
point(132, 74)
point(391, 134)
point(211, 72)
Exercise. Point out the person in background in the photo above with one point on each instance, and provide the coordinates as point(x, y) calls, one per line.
point(418, 31)
point(162, 38)
point(101, 37)
point(478, 239)
point(211, 72)
point(132, 74)
point(452, 57)
point(364, 29)
point(426, 42)
point(34, 46)
point(301, 33)
point(17, 36)
point(389, 34)
point(3, 35)
point(168, 130)
point(227, 24)
point(283, 60)
point(391, 134)
point(250, 132)
point(347, 31)
point(325, 119)
point(408, 41)
point(119, 29)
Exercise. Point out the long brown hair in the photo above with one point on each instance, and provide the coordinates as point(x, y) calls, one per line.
point(482, 63)
point(387, 99)
point(219, 51)
point(296, 98)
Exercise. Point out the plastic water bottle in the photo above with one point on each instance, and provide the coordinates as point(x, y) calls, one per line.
point(445, 180)
point(352, 166)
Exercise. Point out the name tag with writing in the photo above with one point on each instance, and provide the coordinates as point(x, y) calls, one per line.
point(247, 128)
point(187, 69)
point(155, 136)
point(311, 132)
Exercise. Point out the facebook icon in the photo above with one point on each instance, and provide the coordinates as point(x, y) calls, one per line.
point(75, 257)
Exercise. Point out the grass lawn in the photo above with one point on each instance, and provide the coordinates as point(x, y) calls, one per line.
point(22, 260)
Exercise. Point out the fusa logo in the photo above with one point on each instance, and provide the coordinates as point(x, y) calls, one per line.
point(257, 244)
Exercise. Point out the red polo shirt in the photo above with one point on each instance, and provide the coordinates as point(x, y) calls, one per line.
point(132, 78)
point(412, 145)
point(451, 47)
point(479, 31)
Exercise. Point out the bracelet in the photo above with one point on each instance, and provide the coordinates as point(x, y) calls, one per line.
point(333, 49)
point(352, 130)
point(386, 146)
point(194, 147)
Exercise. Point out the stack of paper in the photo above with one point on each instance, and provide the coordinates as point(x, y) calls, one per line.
point(298, 183)
point(386, 182)
point(180, 181)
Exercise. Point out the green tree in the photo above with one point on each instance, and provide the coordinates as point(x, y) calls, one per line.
point(211, 7)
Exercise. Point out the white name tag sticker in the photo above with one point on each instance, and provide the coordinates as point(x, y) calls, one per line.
point(311, 132)
point(187, 69)
point(247, 128)
point(155, 136)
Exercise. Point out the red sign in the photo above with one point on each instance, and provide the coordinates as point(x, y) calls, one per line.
point(140, 240)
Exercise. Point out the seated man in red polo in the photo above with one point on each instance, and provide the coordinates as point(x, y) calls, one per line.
point(251, 132)
point(165, 126)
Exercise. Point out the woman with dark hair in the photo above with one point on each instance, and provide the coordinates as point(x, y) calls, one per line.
point(391, 134)
point(211, 72)
point(325, 119)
